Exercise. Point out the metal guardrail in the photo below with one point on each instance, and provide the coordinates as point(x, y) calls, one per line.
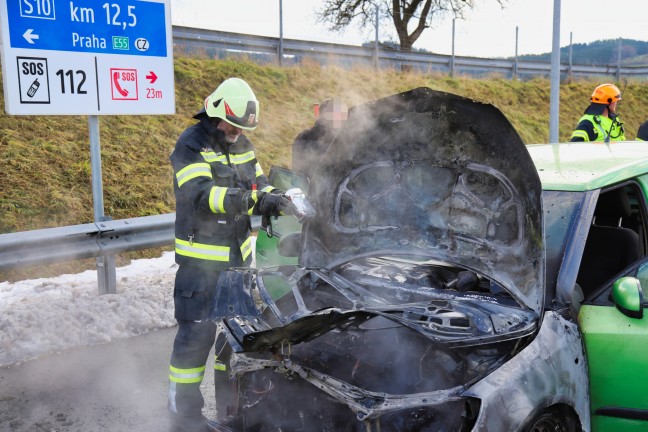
point(216, 43)
point(91, 240)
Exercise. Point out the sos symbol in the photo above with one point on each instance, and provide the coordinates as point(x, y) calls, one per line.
point(33, 68)
point(33, 81)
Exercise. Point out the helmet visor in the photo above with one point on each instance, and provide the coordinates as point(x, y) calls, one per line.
point(247, 120)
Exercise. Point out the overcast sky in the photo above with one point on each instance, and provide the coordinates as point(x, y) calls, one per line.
point(488, 31)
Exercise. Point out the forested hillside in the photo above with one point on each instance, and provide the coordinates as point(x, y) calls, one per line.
point(601, 52)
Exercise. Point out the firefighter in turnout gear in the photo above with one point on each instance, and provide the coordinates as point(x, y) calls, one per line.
point(600, 121)
point(218, 185)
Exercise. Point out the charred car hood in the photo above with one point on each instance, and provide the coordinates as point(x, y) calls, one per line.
point(422, 272)
point(434, 174)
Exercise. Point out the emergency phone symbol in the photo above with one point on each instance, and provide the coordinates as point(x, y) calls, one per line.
point(124, 84)
point(33, 88)
point(33, 80)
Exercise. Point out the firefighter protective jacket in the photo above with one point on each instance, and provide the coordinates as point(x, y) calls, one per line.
point(211, 178)
point(596, 128)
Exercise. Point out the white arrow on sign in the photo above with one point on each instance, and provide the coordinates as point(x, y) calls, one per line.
point(29, 36)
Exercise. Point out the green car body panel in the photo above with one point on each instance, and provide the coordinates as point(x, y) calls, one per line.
point(616, 345)
point(582, 167)
point(267, 246)
point(617, 353)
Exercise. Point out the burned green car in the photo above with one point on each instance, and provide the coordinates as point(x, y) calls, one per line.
point(453, 279)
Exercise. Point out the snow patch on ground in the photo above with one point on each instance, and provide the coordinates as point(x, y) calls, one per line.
point(54, 314)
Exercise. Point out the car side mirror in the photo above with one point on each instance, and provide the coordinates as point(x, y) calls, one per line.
point(627, 295)
point(289, 245)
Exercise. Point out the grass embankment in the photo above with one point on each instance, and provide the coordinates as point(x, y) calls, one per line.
point(45, 173)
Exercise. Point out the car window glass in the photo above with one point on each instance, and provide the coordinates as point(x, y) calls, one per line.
point(616, 237)
point(602, 296)
point(637, 218)
point(642, 275)
point(285, 179)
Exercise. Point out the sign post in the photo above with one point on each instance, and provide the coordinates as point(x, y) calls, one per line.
point(76, 57)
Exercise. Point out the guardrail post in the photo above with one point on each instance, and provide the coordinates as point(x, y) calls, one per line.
point(106, 271)
point(106, 274)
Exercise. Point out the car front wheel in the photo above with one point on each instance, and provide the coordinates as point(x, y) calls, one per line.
point(552, 420)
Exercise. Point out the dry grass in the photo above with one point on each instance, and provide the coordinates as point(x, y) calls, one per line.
point(45, 177)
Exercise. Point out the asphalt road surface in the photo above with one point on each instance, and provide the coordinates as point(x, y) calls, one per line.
point(120, 386)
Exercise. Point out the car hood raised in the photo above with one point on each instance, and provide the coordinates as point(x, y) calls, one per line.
point(430, 173)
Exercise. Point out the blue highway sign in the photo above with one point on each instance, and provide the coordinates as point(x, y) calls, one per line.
point(78, 57)
point(111, 27)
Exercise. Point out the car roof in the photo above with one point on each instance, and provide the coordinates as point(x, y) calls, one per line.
point(588, 166)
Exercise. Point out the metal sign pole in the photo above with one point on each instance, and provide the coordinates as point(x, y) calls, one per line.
point(376, 41)
point(554, 100)
point(106, 272)
point(516, 64)
point(280, 32)
point(452, 57)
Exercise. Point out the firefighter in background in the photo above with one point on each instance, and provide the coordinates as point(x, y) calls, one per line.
point(310, 144)
point(218, 184)
point(600, 121)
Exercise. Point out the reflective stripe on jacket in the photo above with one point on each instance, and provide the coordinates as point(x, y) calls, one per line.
point(596, 128)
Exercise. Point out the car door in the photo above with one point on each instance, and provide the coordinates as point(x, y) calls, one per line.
point(616, 344)
point(267, 242)
point(616, 335)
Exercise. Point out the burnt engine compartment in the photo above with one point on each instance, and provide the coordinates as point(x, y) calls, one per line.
point(399, 369)
point(380, 358)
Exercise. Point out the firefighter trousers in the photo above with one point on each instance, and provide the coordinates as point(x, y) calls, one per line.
point(191, 348)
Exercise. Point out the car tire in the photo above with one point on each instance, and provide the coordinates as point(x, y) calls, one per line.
point(553, 419)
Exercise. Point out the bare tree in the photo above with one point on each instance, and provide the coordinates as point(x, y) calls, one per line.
point(410, 17)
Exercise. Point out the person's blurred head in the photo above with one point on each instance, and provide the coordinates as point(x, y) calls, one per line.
point(333, 113)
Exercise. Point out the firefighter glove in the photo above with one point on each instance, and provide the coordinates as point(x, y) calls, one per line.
point(274, 205)
point(241, 201)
